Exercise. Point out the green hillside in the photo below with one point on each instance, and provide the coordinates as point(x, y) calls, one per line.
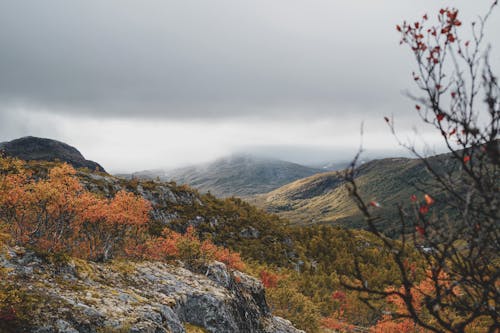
point(324, 198)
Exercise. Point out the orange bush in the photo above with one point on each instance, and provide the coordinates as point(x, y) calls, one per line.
point(269, 279)
point(107, 224)
point(56, 213)
point(187, 247)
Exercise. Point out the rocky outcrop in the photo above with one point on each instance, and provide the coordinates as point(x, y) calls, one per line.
point(80, 296)
point(31, 148)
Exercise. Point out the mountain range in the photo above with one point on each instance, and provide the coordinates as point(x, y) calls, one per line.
point(239, 175)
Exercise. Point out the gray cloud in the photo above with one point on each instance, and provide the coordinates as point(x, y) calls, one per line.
point(137, 84)
point(205, 59)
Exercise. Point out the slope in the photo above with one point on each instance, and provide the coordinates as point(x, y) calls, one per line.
point(324, 198)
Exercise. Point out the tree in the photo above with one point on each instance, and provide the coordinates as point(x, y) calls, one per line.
point(459, 96)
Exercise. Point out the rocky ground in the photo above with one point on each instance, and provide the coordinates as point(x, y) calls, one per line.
point(71, 295)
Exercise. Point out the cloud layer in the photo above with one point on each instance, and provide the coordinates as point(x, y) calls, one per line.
point(188, 62)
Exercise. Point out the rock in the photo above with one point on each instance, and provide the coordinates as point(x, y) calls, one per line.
point(32, 148)
point(249, 232)
point(280, 325)
point(65, 327)
point(171, 319)
point(145, 297)
point(218, 273)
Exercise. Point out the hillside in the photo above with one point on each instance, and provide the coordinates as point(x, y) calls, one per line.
point(323, 198)
point(306, 261)
point(237, 175)
point(31, 148)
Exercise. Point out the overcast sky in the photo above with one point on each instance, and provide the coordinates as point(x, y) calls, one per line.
point(140, 84)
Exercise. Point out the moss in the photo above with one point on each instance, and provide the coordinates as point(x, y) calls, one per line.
point(123, 266)
point(190, 328)
point(83, 268)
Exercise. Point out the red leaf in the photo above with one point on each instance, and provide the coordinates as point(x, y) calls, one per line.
point(453, 132)
point(398, 28)
point(413, 198)
point(466, 159)
point(375, 204)
point(417, 107)
point(420, 230)
point(424, 209)
point(440, 117)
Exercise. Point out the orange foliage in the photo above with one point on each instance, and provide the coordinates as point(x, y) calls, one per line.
point(337, 321)
point(57, 214)
point(188, 247)
point(269, 279)
point(388, 325)
point(106, 224)
point(405, 325)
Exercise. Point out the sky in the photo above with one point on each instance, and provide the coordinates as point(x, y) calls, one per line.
point(163, 83)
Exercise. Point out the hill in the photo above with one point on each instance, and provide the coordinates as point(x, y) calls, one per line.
point(31, 148)
point(324, 198)
point(237, 175)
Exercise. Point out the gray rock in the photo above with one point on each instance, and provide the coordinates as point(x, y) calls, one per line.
point(148, 297)
point(218, 273)
point(249, 232)
point(171, 319)
point(65, 327)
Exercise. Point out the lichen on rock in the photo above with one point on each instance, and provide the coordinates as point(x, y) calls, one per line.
point(80, 296)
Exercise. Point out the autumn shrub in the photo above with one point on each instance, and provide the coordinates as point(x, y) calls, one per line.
point(55, 213)
point(269, 279)
point(106, 224)
point(187, 247)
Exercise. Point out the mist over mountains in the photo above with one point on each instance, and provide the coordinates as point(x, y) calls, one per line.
point(235, 175)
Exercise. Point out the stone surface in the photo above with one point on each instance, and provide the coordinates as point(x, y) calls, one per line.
point(142, 297)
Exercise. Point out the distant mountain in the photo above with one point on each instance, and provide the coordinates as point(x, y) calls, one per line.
point(31, 148)
point(330, 166)
point(324, 198)
point(237, 175)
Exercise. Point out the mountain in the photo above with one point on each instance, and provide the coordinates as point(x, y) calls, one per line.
point(237, 175)
point(331, 165)
point(31, 148)
point(324, 198)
